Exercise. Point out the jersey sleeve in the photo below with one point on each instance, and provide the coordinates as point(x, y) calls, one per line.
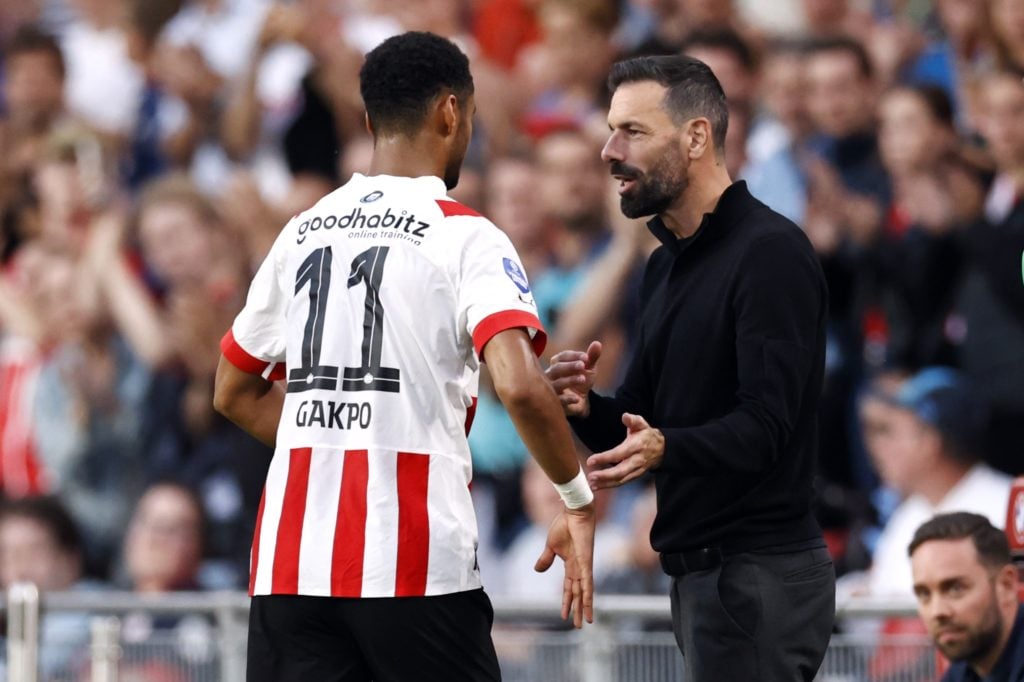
point(494, 293)
point(256, 341)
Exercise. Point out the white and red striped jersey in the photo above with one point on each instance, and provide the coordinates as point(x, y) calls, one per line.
point(21, 471)
point(373, 307)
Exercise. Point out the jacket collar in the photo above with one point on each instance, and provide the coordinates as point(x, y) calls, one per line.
point(733, 204)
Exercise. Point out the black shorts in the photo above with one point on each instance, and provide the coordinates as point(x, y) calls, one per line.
point(330, 639)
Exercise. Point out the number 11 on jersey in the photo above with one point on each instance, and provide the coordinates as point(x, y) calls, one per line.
point(368, 269)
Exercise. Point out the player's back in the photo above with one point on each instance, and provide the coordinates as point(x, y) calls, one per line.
point(374, 298)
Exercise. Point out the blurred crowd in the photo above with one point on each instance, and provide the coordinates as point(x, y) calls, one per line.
point(150, 150)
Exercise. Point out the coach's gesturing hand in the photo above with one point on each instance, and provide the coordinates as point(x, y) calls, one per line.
point(571, 373)
point(643, 449)
point(571, 537)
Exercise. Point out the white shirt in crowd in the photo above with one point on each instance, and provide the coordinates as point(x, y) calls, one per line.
point(982, 490)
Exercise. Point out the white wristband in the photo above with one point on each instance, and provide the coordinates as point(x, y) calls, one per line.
point(576, 493)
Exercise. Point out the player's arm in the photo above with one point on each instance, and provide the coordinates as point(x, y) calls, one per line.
point(248, 400)
point(532, 403)
point(537, 414)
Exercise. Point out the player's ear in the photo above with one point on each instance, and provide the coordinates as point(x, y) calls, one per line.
point(368, 123)
point(448, 115)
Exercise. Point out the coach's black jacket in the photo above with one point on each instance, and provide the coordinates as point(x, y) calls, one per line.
point(728, 365)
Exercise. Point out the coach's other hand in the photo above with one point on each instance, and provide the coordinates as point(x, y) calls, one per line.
point(571, 537)
point(571, 373)
point(643, 449)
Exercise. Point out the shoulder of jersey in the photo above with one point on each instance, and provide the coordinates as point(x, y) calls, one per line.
point(451, 208)
point(459, 213)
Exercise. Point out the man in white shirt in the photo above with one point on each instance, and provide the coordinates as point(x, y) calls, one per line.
point(925, 439)
point(374, 310)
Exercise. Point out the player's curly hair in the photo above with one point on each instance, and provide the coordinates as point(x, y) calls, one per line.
point(405, 73)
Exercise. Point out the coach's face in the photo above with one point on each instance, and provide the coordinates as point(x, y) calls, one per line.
point(959, 598)
point(646, 151)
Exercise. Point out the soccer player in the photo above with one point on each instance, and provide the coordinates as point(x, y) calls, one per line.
point(357, 357)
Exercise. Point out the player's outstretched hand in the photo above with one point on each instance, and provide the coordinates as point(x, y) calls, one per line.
point(571, 373)
point(571, 537)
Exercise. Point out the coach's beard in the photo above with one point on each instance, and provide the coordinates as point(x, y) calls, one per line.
point(652, 192)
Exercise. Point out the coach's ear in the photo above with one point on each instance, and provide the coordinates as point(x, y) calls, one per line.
point(698, 137)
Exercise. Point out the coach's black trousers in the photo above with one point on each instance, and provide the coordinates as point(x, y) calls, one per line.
point(755, 617)
point(328, 639)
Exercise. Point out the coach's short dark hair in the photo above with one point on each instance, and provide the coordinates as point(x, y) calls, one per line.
point(48, 512)
point(990, 542)
point(29, 39)
point(405, 73)
point(851, 46)
point(691, 89)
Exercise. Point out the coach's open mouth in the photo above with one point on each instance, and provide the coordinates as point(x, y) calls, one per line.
point(625, 183)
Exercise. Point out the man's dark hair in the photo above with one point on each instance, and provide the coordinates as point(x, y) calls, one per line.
point(691, 89)
point(48, 512)
point(722, 38)
point(405, 73)
point(938, 102)
point(149, 17)
point(29, 39)
point(853, 47)
point(991, 544)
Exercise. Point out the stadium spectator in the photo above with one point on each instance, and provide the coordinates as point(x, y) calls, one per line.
point(152, 138)
point(606, 299)
point(571, 194)
point(103, 84)
point(835, 18)
point(924, 439)
point(988, 319)
point(913, 267)
point(165, 540)
point(779, 129)
point(1006, 18)
point(164, 548)
point(966, 588)
point(957, 55)
point(563, 74)
point(735, 65)
point(847, 184)
point(95, 386)
point(511, 190)
point(502, 28)
point(190, 256)
point(40, 544)
point(847, 194)
point(33, 95)
point(672, 21)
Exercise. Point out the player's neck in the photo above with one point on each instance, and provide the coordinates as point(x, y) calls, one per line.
point(406, 157)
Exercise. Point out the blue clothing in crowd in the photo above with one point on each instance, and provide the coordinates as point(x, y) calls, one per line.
point(1009, 667)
